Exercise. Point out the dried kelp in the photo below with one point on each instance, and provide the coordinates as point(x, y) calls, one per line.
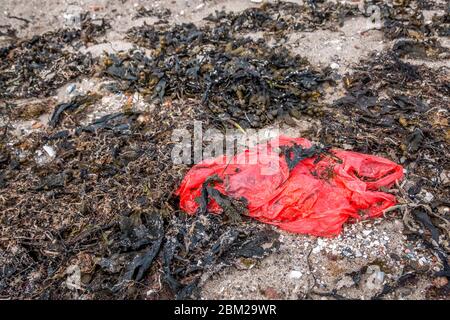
point(282, 17)
point(160, 13)
point(8, 31)
point(98, 219)
point(405, 19)
point(106, 206)
point(38, 66)
point(441, 23)
point(395, 108)
point(205, 244)
point(232, 208)
point(426, 49)
point(75, 103)
point(297, 153)
point(238, 79)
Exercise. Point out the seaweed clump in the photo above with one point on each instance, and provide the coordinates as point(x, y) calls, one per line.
point(282, 17)
point(99, 219)
point(239, 80)
point(38, 66)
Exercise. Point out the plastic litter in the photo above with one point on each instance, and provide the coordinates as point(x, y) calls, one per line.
point(294, 185)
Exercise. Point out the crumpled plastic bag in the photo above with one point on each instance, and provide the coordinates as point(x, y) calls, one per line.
point(315, 196)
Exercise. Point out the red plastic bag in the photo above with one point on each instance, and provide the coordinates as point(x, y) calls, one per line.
point(315, 197)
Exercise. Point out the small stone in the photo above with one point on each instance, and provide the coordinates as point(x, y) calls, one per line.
point(403, 292)
point(443, 209)
point(445, 177)
point(426, 196)
point(376, 279)
point(37, 125)
point(271, 293)
point(347, 252)
point(440, 282)
point(334, 65)
point(50, 151)
point(316, 250)
point(201, 5)
point(367, 232)
point(422, 261)
point(294, 274)
point(71, 88)
point(347, 146)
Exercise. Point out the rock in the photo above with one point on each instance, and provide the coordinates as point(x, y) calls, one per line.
point(201, 5)
point(445, 177)
point(294, 274)
point(404, 292)
point(367, 232)
point(73, 281)
point(50, 151)
point(375, 279)
point(334, 66)
point(271, 293)
point(37, 125)
point(71, 88)
point(440, 282)
point(45, 156)
point(427, 196)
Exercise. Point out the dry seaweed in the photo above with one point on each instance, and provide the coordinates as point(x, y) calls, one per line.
point(75, 103)
point(7, 31)
point(393, 108)
point(426, 49)
point(297, 153)
point(104, 204)
point(405, 19)
point(38, 66)
point(232, 208)
point(238, 79)
point(205, 244)
point(160, 13)
point(282, 17)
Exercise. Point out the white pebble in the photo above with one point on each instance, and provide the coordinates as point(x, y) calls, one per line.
point(294, 274)
point(50, 151)
point(334, 65)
